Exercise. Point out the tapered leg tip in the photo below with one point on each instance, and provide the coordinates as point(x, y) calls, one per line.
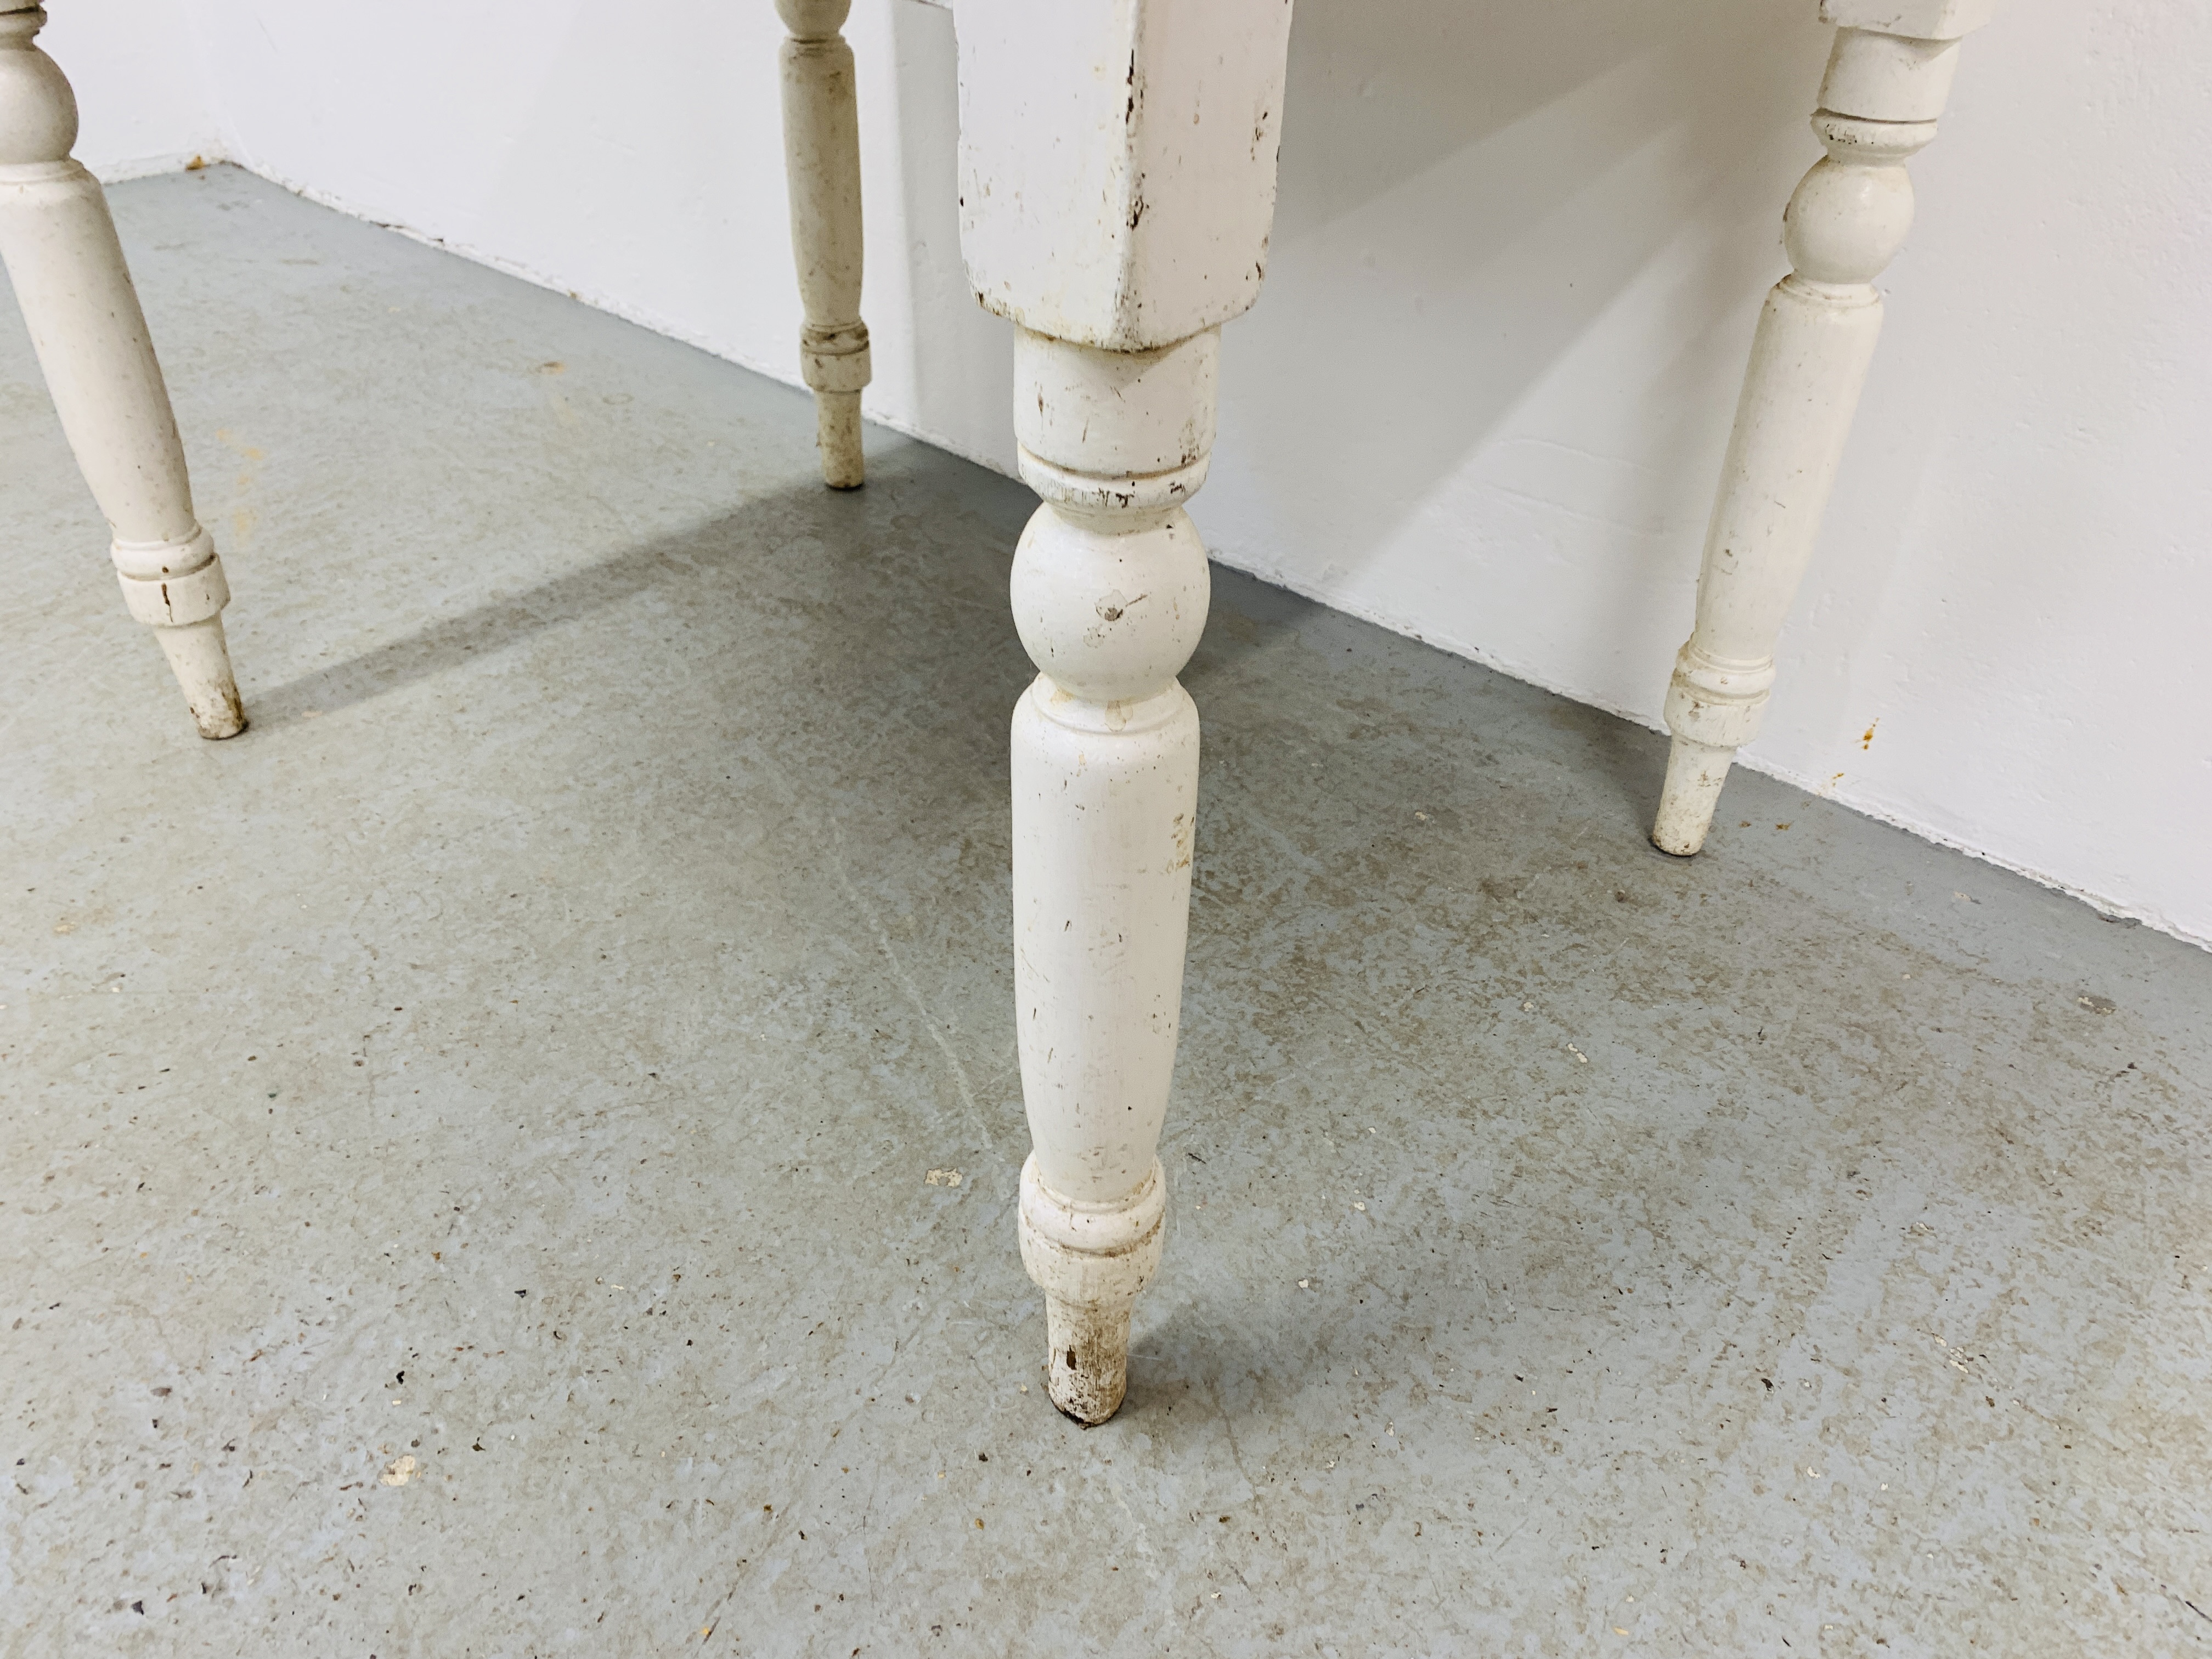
point(1079, 1413)
point(1695, 773)
point(1088, 1368)
point(201, 661)
point(838, 435)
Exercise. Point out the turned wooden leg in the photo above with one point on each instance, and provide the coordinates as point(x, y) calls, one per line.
point(67, 267)
point(821, 153)
point(1116, 197)
point(1886, 81)
point(1109, 593)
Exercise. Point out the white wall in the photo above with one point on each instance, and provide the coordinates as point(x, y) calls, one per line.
point(1518, 254)
point(633, 157)
point(141, 87)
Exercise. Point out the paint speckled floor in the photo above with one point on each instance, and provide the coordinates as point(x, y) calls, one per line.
point(567, 1043)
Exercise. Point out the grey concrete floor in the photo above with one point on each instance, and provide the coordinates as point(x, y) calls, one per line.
point(528, 1049)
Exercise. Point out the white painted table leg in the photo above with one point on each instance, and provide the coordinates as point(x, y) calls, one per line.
point(822, 155)
point(1887, 79)
point(67, 267)
point(1116, 195)
point(1109, 593)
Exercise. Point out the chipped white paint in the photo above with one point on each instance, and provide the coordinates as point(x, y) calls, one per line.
point(83, 315)
point(1888, 77)
point(821, 155)
point(1117, 177)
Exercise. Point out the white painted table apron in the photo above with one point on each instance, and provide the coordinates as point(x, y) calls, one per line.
point(1117, 178)
point(83, 317)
